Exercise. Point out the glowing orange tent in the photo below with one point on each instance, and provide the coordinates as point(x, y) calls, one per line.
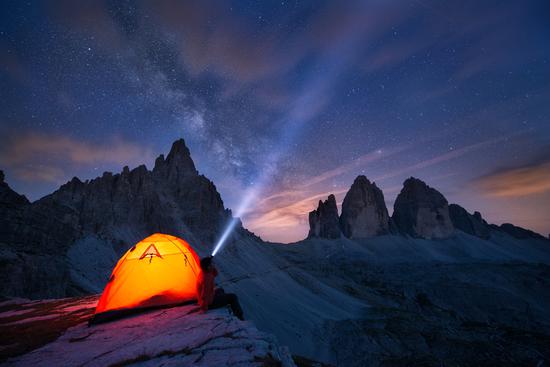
point(159, 270)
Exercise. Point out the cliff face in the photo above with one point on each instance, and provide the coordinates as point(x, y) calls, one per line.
point(172, 197)
point(323, 222)
point(9, 199)
point(470, 223)
point(99, 219)
point(364, 212)
point(32, 243)
point(421, 211)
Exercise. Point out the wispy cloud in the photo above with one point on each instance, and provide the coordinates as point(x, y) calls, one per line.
point(304, 186)
point(90, 18)
point(445, 157)
point(222, 47)
point(39, 173)
point(515, 182)
point(42, 157)
point(363, 160)
point(11, 65)
point(287, 210)
point(285, 220)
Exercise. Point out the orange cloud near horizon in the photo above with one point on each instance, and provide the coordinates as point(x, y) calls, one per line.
point(288, 213)
point(516, 182)
point(43, 158)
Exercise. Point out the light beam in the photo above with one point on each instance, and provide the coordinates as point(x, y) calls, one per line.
point(313, 96)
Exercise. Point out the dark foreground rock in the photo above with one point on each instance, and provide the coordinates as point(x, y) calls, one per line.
point(172, 337)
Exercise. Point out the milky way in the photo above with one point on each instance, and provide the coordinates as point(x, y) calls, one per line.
point(293, 98)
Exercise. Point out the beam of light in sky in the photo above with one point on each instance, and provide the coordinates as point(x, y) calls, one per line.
point(313, 96)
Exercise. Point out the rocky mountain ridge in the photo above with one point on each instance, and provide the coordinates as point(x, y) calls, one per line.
point(42, 244)
point(420, 211)
point(66, 243)
point(390, 299)
point(364, 212)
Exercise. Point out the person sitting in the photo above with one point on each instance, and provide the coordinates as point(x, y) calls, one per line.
point(208, 297)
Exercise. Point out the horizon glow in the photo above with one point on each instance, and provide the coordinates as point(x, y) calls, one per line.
point(307, 106)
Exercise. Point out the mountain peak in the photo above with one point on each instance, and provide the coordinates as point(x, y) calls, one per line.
point(179, 149)
point(422, 211)
point(8, 197)
point(178, 163)
point(323, 222)
point(413, 182)
point(364, 212)
point(362, 180)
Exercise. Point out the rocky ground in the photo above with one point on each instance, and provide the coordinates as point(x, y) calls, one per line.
point(26, 325)
point(432, 285)
point(386, 301)
point(56, 333)
point(432, 304)
point(416, 317)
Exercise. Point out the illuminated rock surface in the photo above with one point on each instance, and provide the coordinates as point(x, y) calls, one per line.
point(171, 337)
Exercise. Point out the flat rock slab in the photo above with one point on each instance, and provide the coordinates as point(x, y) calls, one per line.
point(175, 336)
point(27, 325)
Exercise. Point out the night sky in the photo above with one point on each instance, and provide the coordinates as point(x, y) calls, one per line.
point(291, 98)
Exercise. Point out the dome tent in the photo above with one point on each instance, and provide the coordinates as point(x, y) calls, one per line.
point(160, 270)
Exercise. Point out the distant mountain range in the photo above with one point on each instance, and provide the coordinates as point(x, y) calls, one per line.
point(67, 242)
point(430, 285)
point(420, 211)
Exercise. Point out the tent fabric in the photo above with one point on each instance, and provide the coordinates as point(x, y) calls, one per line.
point(159, 270)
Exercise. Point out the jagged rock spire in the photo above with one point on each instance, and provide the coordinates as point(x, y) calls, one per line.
point(364, 212)
point(178, 165)
point(323, 222)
